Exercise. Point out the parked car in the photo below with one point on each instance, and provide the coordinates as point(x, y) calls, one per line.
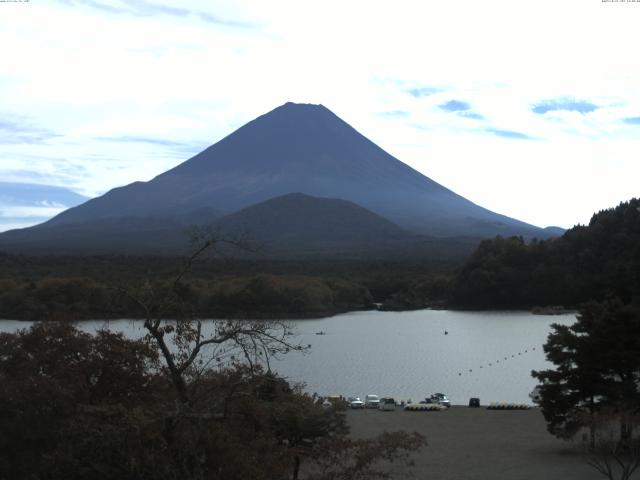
point(535, 395)
point(439, 398)
point(355, 402)
point(335, 401)
point(387, 404)
point(371, 401)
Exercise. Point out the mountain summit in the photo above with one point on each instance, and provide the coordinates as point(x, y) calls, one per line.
point(298, 148)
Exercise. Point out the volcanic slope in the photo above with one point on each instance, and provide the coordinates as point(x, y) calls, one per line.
point(301, 148)
point(295, 148)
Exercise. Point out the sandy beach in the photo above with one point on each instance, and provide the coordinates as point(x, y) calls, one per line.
point(479, 444)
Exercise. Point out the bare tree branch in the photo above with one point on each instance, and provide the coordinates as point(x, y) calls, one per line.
point(255, 341)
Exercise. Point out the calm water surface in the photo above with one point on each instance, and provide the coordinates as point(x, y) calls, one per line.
point(407, 354)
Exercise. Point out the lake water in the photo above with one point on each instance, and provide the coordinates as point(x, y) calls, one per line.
point(407, 354)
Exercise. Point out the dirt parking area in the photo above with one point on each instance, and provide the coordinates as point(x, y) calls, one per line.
point(479, 444)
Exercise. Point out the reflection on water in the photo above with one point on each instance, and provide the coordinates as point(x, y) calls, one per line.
point(408, 355)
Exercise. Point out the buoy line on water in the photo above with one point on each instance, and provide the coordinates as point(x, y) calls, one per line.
point(505, 358)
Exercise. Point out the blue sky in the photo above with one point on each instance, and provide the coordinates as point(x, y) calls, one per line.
point(531, 109)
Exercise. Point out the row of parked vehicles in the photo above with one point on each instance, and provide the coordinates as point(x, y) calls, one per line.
point(373, 401)
point(389, 403)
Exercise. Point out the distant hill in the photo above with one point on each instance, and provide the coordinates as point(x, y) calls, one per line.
point(586, 263)
point(298, 222)
point(290, 225)
point(294, 148)
point(554, 231)
point(24, 204)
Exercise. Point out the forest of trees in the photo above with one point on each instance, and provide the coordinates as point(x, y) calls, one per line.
point(587, 263)
point(259, 296)
point(48, 288)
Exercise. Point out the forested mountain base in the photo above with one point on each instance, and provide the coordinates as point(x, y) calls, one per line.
point(587, 263)
point(74, 288)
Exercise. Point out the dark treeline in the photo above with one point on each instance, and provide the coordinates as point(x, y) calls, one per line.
point(587, 263)
point(60, 288)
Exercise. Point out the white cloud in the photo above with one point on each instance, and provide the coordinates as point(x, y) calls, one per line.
point(26, 212)
point(86, 74)
point(14, 224)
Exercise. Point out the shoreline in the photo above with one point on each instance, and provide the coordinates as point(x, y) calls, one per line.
point(311, 316)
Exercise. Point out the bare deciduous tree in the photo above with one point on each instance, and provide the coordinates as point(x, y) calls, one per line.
point(614, 454)
point(184, 339)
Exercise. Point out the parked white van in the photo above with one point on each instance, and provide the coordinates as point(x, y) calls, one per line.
point(371, 401)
